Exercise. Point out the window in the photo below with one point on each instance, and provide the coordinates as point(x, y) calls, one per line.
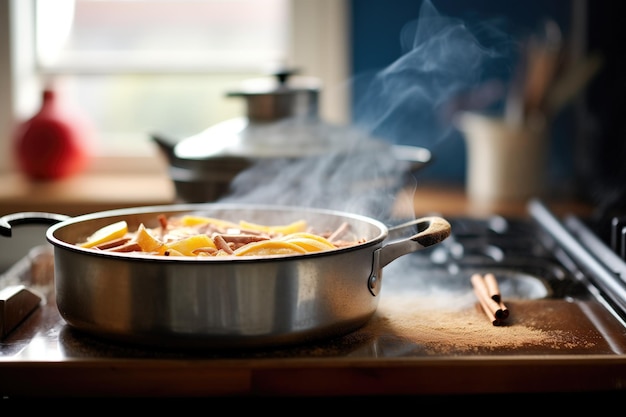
point(138, 66)
point(164, 66)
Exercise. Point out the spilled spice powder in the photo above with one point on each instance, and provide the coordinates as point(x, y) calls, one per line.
point(444, 325)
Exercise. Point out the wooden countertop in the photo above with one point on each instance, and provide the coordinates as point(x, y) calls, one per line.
point(85, 193)
point(451, 200)
point(91, 193)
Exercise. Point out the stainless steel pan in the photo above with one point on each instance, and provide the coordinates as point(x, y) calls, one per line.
point(224, 303)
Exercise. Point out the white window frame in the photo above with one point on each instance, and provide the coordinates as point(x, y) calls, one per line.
point(318, 43)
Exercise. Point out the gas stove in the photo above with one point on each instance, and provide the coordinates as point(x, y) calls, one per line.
point(593, 247)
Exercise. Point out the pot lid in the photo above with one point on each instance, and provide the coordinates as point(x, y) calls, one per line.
point(281, 122)
point(283, 82)
point(284, 95)
point(287, 138)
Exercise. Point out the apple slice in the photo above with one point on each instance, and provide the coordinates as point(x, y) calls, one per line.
point(107, 233)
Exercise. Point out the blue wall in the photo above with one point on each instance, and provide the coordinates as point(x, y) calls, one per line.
point(499, 25)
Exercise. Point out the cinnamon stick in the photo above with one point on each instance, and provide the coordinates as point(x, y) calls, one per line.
point(487, 310)
point(343, 228)
point(113, 243)
point(241, 239)
point(221, 244)
point(494, 292)
point(492, 287)
point(495, 311)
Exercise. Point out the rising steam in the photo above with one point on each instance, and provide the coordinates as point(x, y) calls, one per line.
point(408, 103)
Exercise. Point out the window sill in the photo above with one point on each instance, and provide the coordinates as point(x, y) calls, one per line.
point(86, 193)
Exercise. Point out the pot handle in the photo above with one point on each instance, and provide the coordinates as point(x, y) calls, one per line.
point(430, 231)
point(14, 219)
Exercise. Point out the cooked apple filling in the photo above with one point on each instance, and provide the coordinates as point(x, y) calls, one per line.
point(199, 236)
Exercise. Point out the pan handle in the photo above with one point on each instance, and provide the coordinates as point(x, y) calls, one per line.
point(28, 217)
point(430, 231)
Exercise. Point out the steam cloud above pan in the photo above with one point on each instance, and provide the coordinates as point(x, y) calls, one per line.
point(411, 102)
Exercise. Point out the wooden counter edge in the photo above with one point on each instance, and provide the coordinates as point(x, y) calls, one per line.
point(97, 192)
point(85, 193)
point(451, 200)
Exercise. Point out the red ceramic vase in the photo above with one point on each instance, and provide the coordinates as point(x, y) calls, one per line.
point(55, 142)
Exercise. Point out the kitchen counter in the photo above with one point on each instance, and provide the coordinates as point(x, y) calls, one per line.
point(85, 193)
point(90, 193)
point(451, 200)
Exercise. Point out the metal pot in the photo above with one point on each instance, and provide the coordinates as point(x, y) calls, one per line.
point(224, 303)
point(281, 123)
